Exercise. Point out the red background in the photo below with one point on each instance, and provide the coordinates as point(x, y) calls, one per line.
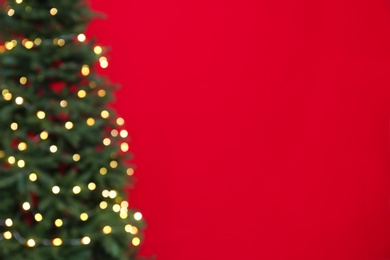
point(260, 128)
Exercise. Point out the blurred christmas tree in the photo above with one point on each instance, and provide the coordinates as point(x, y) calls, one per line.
point(62, 149)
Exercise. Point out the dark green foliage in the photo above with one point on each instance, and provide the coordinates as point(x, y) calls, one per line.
point(41, 65)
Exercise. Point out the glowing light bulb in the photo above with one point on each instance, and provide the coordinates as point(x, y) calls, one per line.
point(7, 235)
point(120, 121)
point(85, 70)
point(81, 94)
point(136, 241)
point(31, 242)
point(53, 11)
point(21, 163)
point(38, 217)
point(19, 100)
point(29, 44)
point(81, 37)
point(105, 114)
point(101, 93)
point(114, 133)
point(18, 1)
point(68, 125)
point(85, 240)
point(37, 41)
point(103, 205)
point(91, 186)
point(76, 157)
point(106, 141)
point(137, 216)
point(124, 147)
point(130, 171)
point(23, 80)
point(90, 121)
point(44, 135)
point(63, 103)
point(107, 230)
point(53, 148)
point(124, 133)
point(58, 223)
point(11, 160)
point(26, 206)
point(8, 222)
point(22, 146)
point(14, 126)
point(57, 242)
point(103, 171)
point(41, 114)
point(33, 177)
point(76, 189)
point(98, 50)
point(84, 216)
point(113, 164)
point(112, 194)
point(56, 189)
point(116, 208)
point(105, 193)
point(11, 12)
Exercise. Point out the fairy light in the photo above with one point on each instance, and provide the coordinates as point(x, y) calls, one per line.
point(105, 193)
point(41, 114)
point(57, 241)
point(124, 133)
point(11, 12)
point(123, 215)
point(106, 141)
point(120, 121)
point(114, 133)
point(107, 230)
point(61, 42)
point(124, 204)
point(33, 177)
point(81, 94)
point(116, 208)
point(53, 11)
point(130, 171)
point(53, 148)
point(11, 160)
point(58, 223)
point(103, 62)
point(37, 41)
point(31, 242)
point(84, 216)
point(9, 45)
point(81, 37)
point(26, 206)
point(137, 216)
point(85, 70)
point(90, 121)
point(22, 146)
point(14, 126)
point(105, 114)
point(112, 194)
point(76, 189)
point(103, 205)
point(124, 147)
point(113, 164)
point(85, 240)
point(21, 163)
point(19, 100)
point(68, 125)
point(136, 241)
point(103, 171)
point(97, 50)
point(38, 217)
point(7, 235)
point(7, 96)
point(101, 93)
point(8, 222)
point(76, 157)
point(29, 44)
point(91, 186)
point(63, 103)
point(18, 1)
point(56, 189)
point(23, 80)
point(44, 135)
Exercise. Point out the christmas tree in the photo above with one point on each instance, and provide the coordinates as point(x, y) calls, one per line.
point(63, 150)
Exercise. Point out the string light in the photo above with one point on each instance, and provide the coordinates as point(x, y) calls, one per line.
point(84, 216)
point(37, 41)
point(114, 133)
point(103, 205)
point(103, 62)
point(105, 114)
point(136, 241)
point(101, 93)
point(106, 141)
point(11, 160)
point(68, 125)
point(53, 148)
point(7, 235)
point(130, 171)
point(124, 147)
point(18, 1)
point(137, 216)
point(81, 37)
point(38, 217)
point(98, 50)
point(29, 44)
point(63, 103)
point(124, 133)
point(44, 135)
point(116, 208)
point(105, 193)
point(120, 121)
point(9, 45)
point(22, 146)
point(85, 70)
point(7, 96)
point(85, 240)
point(31, 242)
point(21, 163)
point(103, 171)
point(26, 206)
point(112, 194)
point(53, 11)
point(58, 223)
point(61, 42)
point(107, 230)
point(19, 100)
point(8, 222)
point(33, 177)
point(81, 94)
point(41, 114)
point(14, 126)
point(124, 204)
point(57, 241)
point(23, 80)
point(76, 157)
point(90, 121)
point(76, 189)
point(91, 186)
point(113, 164)
point(11, 12)
point(56, 189)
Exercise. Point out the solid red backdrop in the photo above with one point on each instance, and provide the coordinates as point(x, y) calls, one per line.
point(260, 128)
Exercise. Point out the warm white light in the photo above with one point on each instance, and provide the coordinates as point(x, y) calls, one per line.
point(11, 12)
point(7, 235)
point(33, 177)
point(21, 163)
point(124, 133)
point(91, 186)
point(85, 240)
point(124, 147)
point(137, 216)
point(44, 135)
point(76, 189)
point(19, 100)
point(31, 243)
point(8, 222)
point(58, 222)
point(41, 114)
point(68, 125)
point(136, 241)
point(38, 217)
point(76, 157)
point(81, 37)
point(53, 148)
point(81, 94)
point(98, 50)
point(105, 114)
point(107, 230)
point(63, 103)
point(14, 126)
point(57, 241)
point(103, 205)
point(26, 206)
point(53, 11)
point(56, 189)
point(112, 194)
point(84, 216)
